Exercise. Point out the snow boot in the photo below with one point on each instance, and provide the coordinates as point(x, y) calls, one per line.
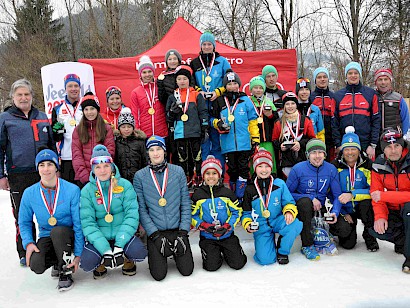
point(406, 266)
point(55, 273)
point(23, 262)
point(65, 282)
point(129, 268)
point(372, 245)
point(100, 272)
point(282, 259)
point(310, 253)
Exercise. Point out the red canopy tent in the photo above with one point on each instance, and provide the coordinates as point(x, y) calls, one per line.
point(184, 37)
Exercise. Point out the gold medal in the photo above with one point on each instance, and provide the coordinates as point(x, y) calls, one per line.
point(161, 77)
point(184, 117)
point(266, 213)
point(151, 111)
point(208, 79)
point(52, 221)
point(231, 118)
point(109, 218)
point(162, 201)
point(260, 120)
point(118, 189)
point(73, 122)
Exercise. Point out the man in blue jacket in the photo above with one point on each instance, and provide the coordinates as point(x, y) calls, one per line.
point(310, 182)
point(23, 131)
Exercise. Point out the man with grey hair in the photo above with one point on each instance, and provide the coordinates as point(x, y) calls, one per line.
point(24, 131)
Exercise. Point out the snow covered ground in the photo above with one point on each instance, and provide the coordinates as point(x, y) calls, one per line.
point(354, 278)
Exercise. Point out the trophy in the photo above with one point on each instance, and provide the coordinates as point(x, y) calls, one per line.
point(68, 259)
point(208, 94)
point(178, 98)
point(287, 143)
point(327, 215)
point(254, 224)
point(216, 222)
point(225, 125)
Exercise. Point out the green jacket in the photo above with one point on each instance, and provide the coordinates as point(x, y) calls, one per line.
point(124, 208)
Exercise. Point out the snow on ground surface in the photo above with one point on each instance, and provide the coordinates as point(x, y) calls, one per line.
point(355, 278)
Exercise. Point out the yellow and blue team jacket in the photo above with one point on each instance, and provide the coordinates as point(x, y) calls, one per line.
point(280, 202)
point(361, 188)
point(219, 199)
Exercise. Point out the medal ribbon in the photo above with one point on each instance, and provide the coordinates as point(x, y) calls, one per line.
point(229, 107)
point(186, 100)
point(352, 172)
point(107, 207)
point(260, 112)
point(164, 182)
point(295, 134)
point(51, 208)
point(151, 97)
point(265, 203)
point(69, 111)
point(210, 66)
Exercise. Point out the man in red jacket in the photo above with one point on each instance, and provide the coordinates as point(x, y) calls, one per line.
point(390, 192)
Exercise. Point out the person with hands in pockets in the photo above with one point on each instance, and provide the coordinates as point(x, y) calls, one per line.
point(269, 208)
point(215, 212)
point(109, 219)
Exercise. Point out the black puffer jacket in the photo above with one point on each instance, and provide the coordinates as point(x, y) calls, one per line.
point(166, 86)
point(131, 154)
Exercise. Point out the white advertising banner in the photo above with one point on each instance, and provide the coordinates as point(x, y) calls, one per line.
point(52, 77)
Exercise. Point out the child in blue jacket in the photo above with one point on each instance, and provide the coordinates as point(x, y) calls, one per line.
point(215, 212)
point(268, 209)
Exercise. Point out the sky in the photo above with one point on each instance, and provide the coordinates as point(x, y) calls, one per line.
point(355, 278)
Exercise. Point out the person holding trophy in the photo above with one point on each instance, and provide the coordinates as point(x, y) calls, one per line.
point(355, 178)
point(209, 69)
point(215, 212)
point(310, 182)
point(269, 208)
point(291, 133)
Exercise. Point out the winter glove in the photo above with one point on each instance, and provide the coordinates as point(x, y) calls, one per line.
point(223, 128)
point(204, 134)
point(176, 108)
point(162, 243)
point(58, 128)
point(118, 256)
point(108, 259)
point(181, 243)
point(222, 230)
point(207, 227)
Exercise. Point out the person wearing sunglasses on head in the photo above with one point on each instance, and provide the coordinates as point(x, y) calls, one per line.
point(109, 219)
point(64, 118)
point(390, 192)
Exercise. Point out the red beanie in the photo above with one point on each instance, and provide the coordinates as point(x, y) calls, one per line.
point(383, 72)
point(262, 157)
point(211, 163)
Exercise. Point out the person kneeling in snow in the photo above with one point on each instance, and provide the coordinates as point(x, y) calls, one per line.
point(215, 211)
point(56, 204)
point(268, 209)
point(109, 218)
point(390, 192)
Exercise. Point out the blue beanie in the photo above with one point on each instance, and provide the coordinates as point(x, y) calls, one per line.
point(350, 139)
point(101, 152)
point(71, 77)
point(320, 70)
point(207, 37)
point(47, 155)
point(156, 141)
point(353, 65)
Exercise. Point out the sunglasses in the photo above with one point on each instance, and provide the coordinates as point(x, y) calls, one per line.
point(113, 88)
point(101, 160)
point(391, 136)
point(71, 76)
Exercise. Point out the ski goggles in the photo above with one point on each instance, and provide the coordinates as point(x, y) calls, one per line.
point(101, 160)
point(112, 90)
point(72, 77)
point(391, 136)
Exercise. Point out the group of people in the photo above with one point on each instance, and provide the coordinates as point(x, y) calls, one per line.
point(99, 180)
